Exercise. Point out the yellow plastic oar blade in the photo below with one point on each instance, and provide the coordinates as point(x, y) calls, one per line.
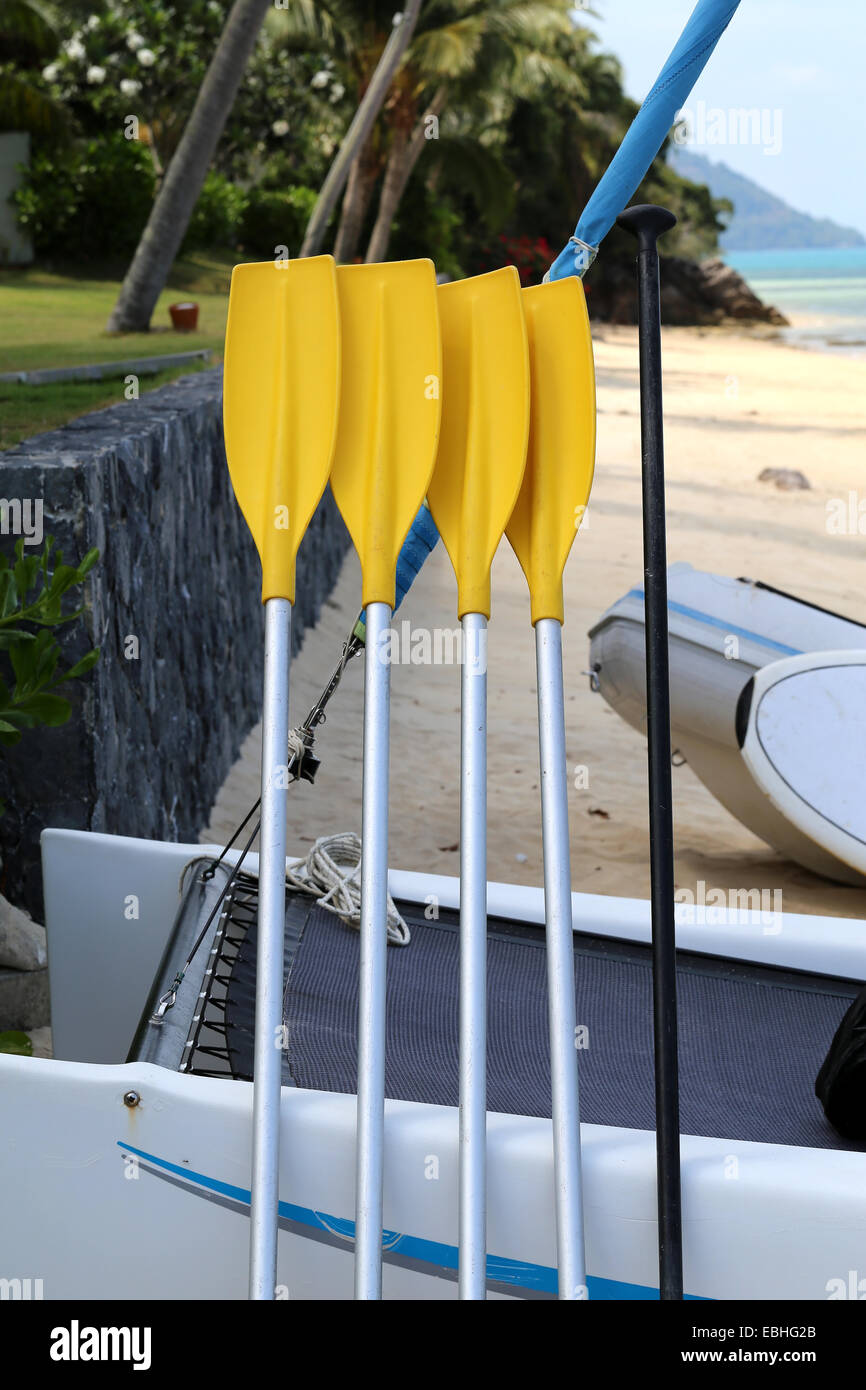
point(561, 452)
point(389, 410)
point(281, 396)
point(485, 422)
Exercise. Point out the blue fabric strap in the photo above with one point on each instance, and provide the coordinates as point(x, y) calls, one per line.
point(417, 546)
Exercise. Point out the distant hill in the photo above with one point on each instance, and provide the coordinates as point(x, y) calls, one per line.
point(761, 221)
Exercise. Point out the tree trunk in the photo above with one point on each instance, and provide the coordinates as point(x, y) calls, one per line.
point(405, 153)
point(356, 201)
point(359, 130)
point(169, 217)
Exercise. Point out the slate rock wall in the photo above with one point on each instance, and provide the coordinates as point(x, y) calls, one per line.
point(152, 735)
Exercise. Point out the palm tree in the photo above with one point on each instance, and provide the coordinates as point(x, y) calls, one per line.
point(179, 191)
point(458, 46)
point(27, 38)
point(476, 58)
point(361, 38)
point(362, 124)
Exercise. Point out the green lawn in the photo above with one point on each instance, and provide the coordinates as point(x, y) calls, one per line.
point(56, 318)
point(27, 410)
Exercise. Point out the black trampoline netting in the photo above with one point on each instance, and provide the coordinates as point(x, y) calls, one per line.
point(751, 1038)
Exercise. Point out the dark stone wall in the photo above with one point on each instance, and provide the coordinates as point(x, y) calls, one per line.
point(151, 739)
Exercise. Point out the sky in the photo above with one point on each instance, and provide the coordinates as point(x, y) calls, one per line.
point(802, 64)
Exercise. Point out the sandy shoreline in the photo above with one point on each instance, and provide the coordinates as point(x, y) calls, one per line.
point(734, 404)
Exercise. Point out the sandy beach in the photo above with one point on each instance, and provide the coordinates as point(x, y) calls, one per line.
point(735, 404)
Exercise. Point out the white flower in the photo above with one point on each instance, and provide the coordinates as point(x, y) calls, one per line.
point(338, 91)
point(146, 57)
point(134, 40)
point(74, 49)
point(93, 22)
point(397, 19)
point(320, 78)
point(129, 87)
point(280, 127)
point(96, 74)
point(50, 73)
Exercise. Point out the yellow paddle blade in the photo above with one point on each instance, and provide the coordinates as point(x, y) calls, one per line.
point(485, 422)
point(389, 410)
point(281, 392)
point(561, 452)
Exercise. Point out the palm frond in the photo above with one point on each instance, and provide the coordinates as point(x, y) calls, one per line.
point(446, 52)
point(24, 106)
point(479, 171)
point(537, 70)
point(27, 25)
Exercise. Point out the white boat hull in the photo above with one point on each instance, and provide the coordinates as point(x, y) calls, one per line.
point(721, 632)
point(101, 1199)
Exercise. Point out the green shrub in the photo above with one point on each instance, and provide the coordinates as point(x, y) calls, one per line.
point(32, 589)
point(89, 201)
point(216, 216)
point(275, 218)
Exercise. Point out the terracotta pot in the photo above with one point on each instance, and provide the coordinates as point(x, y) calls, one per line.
point(184, 317)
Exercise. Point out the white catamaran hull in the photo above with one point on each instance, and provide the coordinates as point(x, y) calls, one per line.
point(101, 1199)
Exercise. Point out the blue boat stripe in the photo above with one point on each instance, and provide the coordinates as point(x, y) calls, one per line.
point(722, 626)
point(431, 1257)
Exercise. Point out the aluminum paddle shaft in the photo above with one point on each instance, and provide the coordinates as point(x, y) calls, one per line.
point(542, 528)
point(383, 460)
point(369, 1171)
point(560, 961)
point(475, 484)
point(647, 223)
point(472, 1280)
point(281, 391)
point(269, 953)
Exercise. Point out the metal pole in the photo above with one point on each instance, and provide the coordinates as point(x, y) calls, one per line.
point(269, 955)
point(472, 1271)
point(647, 223)
point(560, 961)
point(370, 1153)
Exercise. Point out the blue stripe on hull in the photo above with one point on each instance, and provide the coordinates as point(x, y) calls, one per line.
point(431, 1257)
point(722, 625)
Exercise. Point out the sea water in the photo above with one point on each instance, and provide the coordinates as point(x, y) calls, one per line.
point(822, 291)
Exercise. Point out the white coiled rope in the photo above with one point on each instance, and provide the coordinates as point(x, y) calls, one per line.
point(331, 873)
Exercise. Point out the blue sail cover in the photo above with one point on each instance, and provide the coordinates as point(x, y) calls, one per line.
point(647, 132)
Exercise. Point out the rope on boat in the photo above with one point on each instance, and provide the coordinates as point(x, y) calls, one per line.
point(331, 872)
point(334, 880)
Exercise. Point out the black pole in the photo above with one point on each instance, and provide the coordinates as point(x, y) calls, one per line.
point(648, 223)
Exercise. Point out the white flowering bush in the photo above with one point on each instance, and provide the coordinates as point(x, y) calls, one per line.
point(150, 55)
point(149, 60)
point(112, 61)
